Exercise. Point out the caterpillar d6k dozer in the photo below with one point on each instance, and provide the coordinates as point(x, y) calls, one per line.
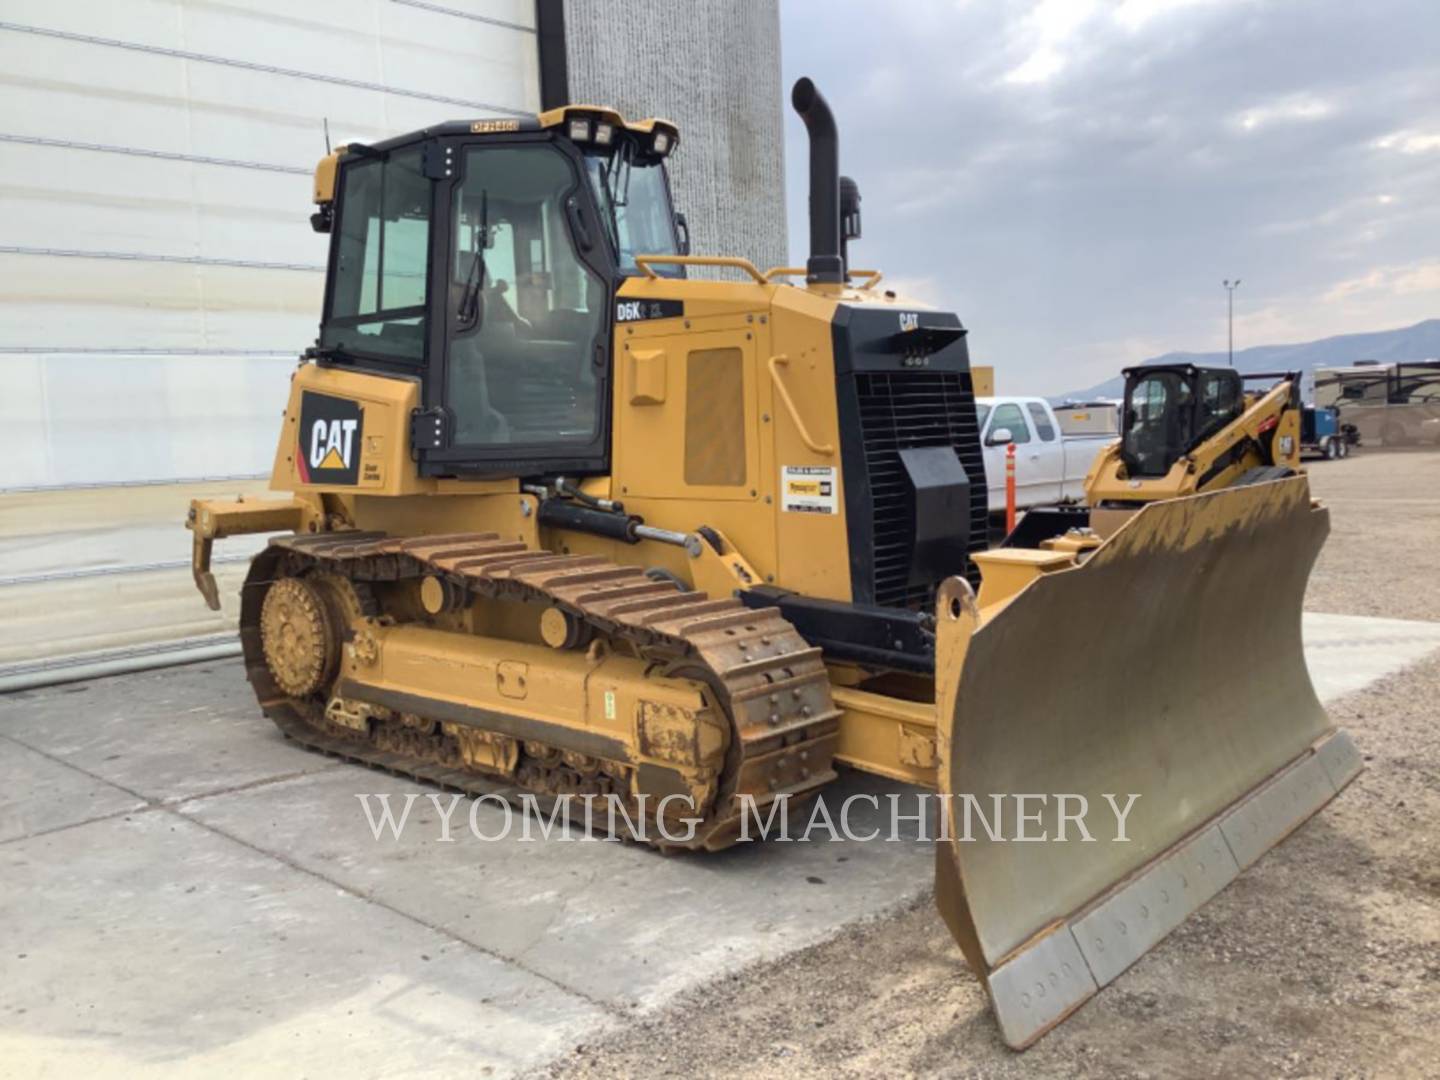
point(565, 521)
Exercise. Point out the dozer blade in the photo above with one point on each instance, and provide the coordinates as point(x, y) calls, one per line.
point(1169, 666)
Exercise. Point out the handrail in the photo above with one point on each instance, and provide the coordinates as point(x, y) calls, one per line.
point(874, 276)
point(733, 261)
point(824, 449)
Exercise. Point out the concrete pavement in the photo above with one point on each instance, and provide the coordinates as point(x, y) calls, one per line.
point(180, 889)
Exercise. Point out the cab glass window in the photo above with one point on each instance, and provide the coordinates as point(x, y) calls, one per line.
point(1221, 400)
point(377, 302)
point(1158, 423)
point(1010, 416)
point(635, 205)
point(524, 312)
point(1043, 427)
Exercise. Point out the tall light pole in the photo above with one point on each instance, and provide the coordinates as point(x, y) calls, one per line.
point(1230, 287)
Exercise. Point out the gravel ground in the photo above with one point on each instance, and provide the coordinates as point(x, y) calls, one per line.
point(1383, 555)
point(1322, 960)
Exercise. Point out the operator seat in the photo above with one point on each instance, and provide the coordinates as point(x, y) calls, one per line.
point(476, 419)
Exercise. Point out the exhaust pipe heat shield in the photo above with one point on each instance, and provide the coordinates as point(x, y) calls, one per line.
point(1168, 665)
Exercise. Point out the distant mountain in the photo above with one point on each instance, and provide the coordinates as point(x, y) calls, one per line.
point(1418, 342)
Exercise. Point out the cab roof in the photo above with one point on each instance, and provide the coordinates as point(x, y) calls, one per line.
point(545, 121)
point(651, 129)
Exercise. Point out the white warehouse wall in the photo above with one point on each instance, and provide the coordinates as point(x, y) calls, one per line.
point(158, 273)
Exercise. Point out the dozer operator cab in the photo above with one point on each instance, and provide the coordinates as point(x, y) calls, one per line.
point(482, 257)
point(1171, 409)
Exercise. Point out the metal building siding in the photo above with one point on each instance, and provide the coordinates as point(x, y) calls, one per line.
point(158, 274)
point(713, 67)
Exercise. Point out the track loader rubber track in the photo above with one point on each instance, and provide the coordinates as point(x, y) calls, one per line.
point(765, 678)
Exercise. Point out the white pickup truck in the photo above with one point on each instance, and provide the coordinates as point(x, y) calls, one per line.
point(1050, 467)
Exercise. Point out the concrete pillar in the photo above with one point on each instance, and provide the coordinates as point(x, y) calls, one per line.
point(713, 67)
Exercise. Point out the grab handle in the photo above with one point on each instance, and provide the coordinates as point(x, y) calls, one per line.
point(824, 449)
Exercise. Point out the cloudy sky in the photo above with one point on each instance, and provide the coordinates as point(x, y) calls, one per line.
point(1076, 178)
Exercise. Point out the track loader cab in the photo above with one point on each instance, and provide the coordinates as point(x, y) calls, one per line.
point(1170, 409)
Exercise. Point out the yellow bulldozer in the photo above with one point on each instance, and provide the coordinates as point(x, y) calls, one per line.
point(566, 520)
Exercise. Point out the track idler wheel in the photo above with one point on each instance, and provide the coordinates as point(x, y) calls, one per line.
point(299, 637)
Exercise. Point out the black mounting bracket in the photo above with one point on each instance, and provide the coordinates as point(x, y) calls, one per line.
point(428, 429)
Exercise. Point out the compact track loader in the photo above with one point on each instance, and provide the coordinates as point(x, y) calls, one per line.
point(1188, 429)
point(567, 521)
point(1184, 430)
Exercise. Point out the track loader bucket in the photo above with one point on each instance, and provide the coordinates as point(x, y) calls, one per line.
point(1168, 666)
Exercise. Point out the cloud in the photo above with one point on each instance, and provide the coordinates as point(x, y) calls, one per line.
point(1051, 24)
point(1359, 208)
point(1094, 362)
point(1136, 14)
point(1380, 298)
point(1422, 277)
point(1041, 65)
point(1076, 179)
point(1295, 108)
point(1409, 142)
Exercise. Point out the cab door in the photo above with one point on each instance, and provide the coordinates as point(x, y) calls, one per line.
point(1011, 417)
point(519, 358)
point(1047, 455)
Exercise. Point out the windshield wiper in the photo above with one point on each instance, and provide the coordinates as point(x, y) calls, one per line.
point(471, 310)
point(619, 174)
point(599, 172)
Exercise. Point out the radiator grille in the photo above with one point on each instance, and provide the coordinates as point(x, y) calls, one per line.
point(899, 410)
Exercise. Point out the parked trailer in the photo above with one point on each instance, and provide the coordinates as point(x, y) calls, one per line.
point(1321, 433)
point(1387, 405)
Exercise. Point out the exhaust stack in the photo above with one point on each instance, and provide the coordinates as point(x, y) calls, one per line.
point(826, 263)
